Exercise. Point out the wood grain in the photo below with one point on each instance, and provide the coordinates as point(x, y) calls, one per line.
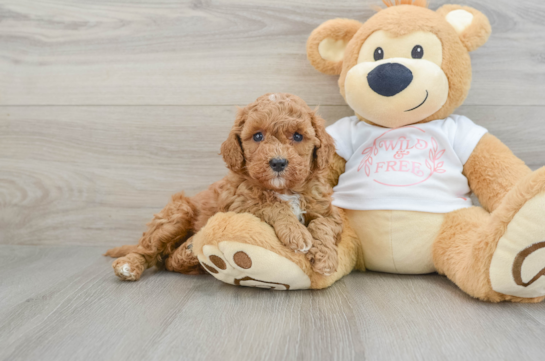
point(195, 52)
point(74, 308)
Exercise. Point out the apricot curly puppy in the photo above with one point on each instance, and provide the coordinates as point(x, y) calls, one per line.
point(278, 153)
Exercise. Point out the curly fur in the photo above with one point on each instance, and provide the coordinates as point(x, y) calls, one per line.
point(252, 186)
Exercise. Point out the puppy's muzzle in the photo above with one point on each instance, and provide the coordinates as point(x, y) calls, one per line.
point(278, 164)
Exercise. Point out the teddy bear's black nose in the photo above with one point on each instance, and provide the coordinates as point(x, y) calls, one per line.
point(389, 79)
point(278, 164)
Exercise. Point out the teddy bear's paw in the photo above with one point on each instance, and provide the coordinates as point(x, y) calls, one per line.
point(518, 263)
point(244, 264)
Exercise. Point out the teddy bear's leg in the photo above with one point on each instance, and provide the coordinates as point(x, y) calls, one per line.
point(242, 250)
point(498, 256)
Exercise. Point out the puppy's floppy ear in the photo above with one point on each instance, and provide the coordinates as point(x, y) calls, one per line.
point(472, 26)
point(231, 149)
point(326, 44)
point(325, 150)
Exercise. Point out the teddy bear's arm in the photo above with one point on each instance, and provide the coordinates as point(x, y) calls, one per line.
point(336, 168)
point(492, 170)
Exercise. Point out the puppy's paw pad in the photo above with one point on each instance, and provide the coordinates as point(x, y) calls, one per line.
point(324, 260)
point(299, 242)
point(124, 271)
point(305, 248)
point(323, 270)
point(244, 264)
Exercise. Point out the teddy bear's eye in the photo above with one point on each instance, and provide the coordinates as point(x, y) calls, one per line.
point(418, 52)
point(379, 54)
point(258, 137)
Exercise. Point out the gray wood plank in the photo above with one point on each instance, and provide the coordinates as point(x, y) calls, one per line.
point(86, 313)
point(95, 175)
point(222, 52)
point(28, 270)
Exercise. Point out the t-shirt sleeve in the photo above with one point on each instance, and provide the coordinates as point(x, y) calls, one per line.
point(466, 138)
point(341, 133)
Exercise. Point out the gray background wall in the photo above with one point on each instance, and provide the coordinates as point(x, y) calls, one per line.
point(108, 107)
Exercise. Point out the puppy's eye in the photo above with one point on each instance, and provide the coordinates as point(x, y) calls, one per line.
point(258, 137)
point(379, 54)
point(418, 52)
point(297, 137)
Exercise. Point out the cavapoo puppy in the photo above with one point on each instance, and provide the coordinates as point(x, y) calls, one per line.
point(277, 153)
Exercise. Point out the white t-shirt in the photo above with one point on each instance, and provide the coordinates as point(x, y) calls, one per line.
point(414, 168)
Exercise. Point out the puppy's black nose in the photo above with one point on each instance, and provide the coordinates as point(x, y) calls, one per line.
point(278, 164)
point(389, 79)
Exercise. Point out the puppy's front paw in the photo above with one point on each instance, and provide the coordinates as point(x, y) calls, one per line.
point(323, 257)
point(297, 237)
point(129, 268)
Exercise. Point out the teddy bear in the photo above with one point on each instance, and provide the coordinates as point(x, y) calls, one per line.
point(404, 169)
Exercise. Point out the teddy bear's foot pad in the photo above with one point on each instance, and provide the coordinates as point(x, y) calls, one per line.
point(244, 264)
point(518, 264)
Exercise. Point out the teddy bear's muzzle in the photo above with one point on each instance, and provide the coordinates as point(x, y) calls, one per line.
point(389, 79)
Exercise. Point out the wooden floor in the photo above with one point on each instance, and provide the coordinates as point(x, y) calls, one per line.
point(109, 106)
point(63, 303)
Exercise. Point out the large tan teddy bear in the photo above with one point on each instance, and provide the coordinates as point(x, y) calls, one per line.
point(404, 169)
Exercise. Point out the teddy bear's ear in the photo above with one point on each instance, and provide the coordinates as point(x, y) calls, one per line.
point(471, 25)
point(326, 44)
